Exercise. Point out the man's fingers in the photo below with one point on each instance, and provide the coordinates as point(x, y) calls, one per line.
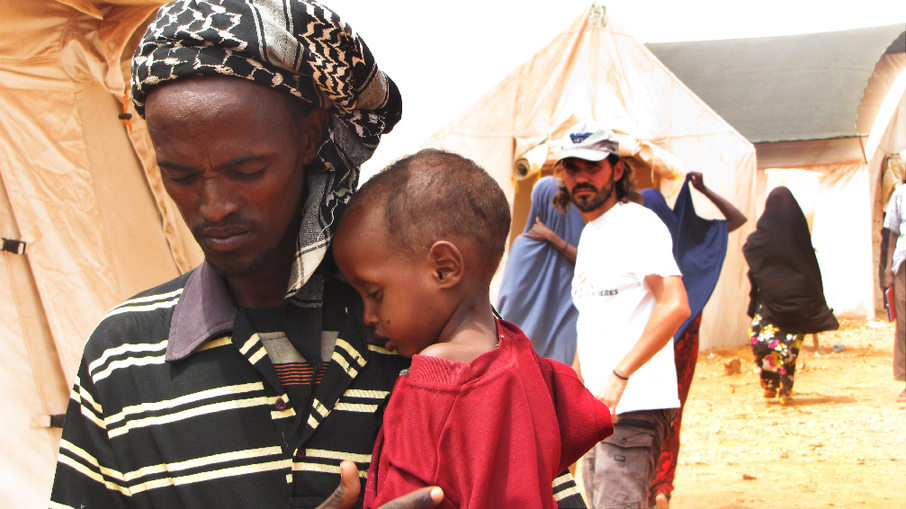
point(418, 499)
point(347, 492)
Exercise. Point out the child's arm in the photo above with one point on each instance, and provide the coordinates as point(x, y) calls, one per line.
point(583, 419)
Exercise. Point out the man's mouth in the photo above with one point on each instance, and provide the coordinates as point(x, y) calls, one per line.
point(221, 239)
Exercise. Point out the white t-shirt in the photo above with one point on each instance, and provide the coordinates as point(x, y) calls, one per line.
point(615, 254)
point(895, 221)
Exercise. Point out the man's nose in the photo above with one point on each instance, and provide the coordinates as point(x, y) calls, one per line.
point(582, 177)
point(217, 201)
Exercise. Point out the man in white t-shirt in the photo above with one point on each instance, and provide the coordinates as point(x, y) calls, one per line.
point(631, 300)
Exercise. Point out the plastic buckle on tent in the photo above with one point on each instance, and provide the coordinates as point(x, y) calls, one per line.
point(13, 246)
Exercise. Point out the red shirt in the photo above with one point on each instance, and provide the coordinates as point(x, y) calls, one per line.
point(492, 433)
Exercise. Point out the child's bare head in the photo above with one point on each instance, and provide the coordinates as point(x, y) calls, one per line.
point(436, 195)
point(420, 243)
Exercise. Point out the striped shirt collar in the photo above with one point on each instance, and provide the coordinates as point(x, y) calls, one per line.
point(205, 310)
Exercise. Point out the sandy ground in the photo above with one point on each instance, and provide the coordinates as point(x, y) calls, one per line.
point(841, 443)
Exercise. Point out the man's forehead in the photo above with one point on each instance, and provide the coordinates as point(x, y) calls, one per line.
point(577, 163)
point(213, 87)
point(206, 95)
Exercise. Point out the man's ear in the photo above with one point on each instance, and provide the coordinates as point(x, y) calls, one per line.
point(447, 263)
point(313, 133)
point(618, 170)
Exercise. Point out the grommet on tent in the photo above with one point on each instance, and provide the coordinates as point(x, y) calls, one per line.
point(13, 246)
point(126, 117)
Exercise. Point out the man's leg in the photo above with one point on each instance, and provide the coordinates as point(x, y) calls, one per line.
point(587, 472)
point(625, 462)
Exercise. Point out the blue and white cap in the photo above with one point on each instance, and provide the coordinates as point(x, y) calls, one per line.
point(590, 141)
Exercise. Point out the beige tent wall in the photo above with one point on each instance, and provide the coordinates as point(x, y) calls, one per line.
point(74, 188)
point(596, 70)
point(28, 446)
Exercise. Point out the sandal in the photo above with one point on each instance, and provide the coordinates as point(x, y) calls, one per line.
point(785, 398)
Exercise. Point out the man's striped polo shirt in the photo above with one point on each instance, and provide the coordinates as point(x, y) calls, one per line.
point(176, 405)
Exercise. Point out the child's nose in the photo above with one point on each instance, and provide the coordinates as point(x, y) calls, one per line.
point(369, 316)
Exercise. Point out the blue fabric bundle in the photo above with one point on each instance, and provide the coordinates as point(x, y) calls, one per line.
point(699, 246)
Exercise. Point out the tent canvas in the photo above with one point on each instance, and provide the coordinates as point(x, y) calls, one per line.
point(594, 70)
point(80, 191)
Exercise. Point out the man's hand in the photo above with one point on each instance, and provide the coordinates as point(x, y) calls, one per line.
point(611, 394)
point(347, 493)
point(888, 278)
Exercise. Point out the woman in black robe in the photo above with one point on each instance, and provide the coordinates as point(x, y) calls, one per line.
point(787, 296)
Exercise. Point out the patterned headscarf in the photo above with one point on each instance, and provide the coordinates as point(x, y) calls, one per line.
point(299, 47)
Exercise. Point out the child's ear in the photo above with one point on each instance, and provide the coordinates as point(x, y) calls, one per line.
point(447, 263)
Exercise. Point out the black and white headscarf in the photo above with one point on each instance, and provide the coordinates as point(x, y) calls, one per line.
point(299, 47)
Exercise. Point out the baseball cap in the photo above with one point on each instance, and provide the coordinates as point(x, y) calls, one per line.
point(590, 141)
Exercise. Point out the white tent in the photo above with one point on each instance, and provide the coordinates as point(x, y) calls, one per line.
point(595, 70)
point(832, 107)
point(85, 221)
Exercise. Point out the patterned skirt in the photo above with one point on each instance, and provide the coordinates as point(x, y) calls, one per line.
point(775, 354)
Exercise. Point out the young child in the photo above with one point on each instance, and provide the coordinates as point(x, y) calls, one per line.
point(479, 413)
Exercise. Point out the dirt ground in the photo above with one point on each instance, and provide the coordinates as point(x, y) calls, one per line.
point(841, 443)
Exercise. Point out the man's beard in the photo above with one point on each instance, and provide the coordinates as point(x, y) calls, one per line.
point(590, 204)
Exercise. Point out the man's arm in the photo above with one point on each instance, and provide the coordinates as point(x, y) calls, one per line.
point(891, 247)
point(540, 231)
point(577, 367)
point(735, 218)
point(671, 310)
point(87, 474)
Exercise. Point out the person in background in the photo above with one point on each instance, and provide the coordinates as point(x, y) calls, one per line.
point(535, 288)
point(895, 276)
point(786, 300)
point(479, 413)
point(630, 296)
point(699, 247)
